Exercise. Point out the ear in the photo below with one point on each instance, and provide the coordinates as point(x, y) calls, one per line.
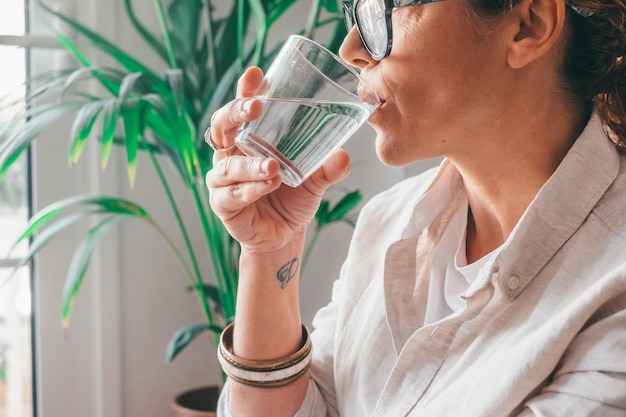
point(536, 27)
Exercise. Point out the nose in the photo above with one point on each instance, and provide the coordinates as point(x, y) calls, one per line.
point(353, 51)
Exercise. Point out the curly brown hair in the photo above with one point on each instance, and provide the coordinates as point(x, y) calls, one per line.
point(593, 65)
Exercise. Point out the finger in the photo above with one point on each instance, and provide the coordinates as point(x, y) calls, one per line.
point(227, 119)
point(335, 169)
point(228, 202)
point(239, 169)
point(249, 82)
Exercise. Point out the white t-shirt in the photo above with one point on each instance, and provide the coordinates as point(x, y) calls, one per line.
point(451, 277)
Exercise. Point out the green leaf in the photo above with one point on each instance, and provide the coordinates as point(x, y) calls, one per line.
point(80, 263)
point(176, 82)
point(346, 204)
point(224, 91)
point(130, 63)
point(202, 59)
point(263, 24)
point(150, 39)
point(43, 86)
point(163, 130)
point(331, 6)
point(326, 215)
point(18, 139)
point(185, 335)
point(10, 160)
point(322, 212)
point(225, 40)
point(276, 9)
point(173, 157)
point(50, 232)
point(212, 293)
point(110, 204)
point(80, 57)
point(81, 129)
point(110, 114)
point(131, 111)
point(112, 76)
point(185, 19)
point(338, 35)
point(165, 32)
point(128, 84)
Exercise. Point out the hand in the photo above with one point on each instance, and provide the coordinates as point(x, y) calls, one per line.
point(246, 192)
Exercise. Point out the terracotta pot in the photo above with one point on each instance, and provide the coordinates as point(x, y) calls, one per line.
point(197, 402)
point(3, 394)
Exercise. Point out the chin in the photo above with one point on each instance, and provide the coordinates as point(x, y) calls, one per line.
point(391, 155)
point(398, 154)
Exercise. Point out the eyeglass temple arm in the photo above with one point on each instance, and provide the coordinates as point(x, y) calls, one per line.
point(401, 3)
point(568, 3)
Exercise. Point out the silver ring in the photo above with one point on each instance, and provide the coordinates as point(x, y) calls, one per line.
point(209, 140)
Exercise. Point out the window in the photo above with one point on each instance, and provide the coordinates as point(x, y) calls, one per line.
point(16, 393)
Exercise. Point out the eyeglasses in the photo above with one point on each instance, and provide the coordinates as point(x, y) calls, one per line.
point(373, 21)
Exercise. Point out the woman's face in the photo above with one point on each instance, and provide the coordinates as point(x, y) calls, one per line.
point(440, 85)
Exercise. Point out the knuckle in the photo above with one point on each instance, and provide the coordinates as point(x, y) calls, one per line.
point(225, 119)
point(234, 113)
point(224, 167)
point(249, 166)
point(315, 185)
point(236, 192)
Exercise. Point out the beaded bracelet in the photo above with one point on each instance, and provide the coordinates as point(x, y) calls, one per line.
point(264, 373)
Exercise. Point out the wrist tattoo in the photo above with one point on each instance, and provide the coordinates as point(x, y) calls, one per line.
point(287, 272)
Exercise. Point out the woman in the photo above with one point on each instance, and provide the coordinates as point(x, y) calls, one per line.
point(494, 285)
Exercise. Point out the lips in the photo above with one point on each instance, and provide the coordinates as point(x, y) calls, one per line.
point(368, 95)
point(368, 92)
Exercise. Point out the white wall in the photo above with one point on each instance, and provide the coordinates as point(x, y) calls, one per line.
point(110, 362)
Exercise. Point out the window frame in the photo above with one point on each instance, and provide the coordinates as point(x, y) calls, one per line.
point(84, 361)
point(27, 41)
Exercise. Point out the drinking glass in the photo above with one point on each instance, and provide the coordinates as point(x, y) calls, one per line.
point(313, 101)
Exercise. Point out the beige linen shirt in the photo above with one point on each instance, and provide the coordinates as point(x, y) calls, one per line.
point(544, 336)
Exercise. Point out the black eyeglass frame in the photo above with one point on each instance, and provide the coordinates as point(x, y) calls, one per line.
point(350, 18)
point(349, 15)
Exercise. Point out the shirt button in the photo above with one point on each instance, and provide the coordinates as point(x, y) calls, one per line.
point(513, 283)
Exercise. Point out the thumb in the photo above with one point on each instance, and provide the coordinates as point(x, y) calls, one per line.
point(335, 169)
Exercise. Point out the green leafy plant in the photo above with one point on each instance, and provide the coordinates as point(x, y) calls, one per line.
point(163, 115)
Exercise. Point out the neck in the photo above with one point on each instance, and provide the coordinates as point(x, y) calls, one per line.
point(504, 179)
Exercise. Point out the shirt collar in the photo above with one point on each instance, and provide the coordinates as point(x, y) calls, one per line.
point(559, 209)
point(431, 201)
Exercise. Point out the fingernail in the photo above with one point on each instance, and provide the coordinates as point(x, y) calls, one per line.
point(246, 105)
point(265, 166)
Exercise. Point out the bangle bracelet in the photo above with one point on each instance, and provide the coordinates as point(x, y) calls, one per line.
point(264, 373)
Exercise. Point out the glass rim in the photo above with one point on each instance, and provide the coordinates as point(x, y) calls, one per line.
point(343, 63)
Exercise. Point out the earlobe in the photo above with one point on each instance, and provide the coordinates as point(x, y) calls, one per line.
point(536, 27)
